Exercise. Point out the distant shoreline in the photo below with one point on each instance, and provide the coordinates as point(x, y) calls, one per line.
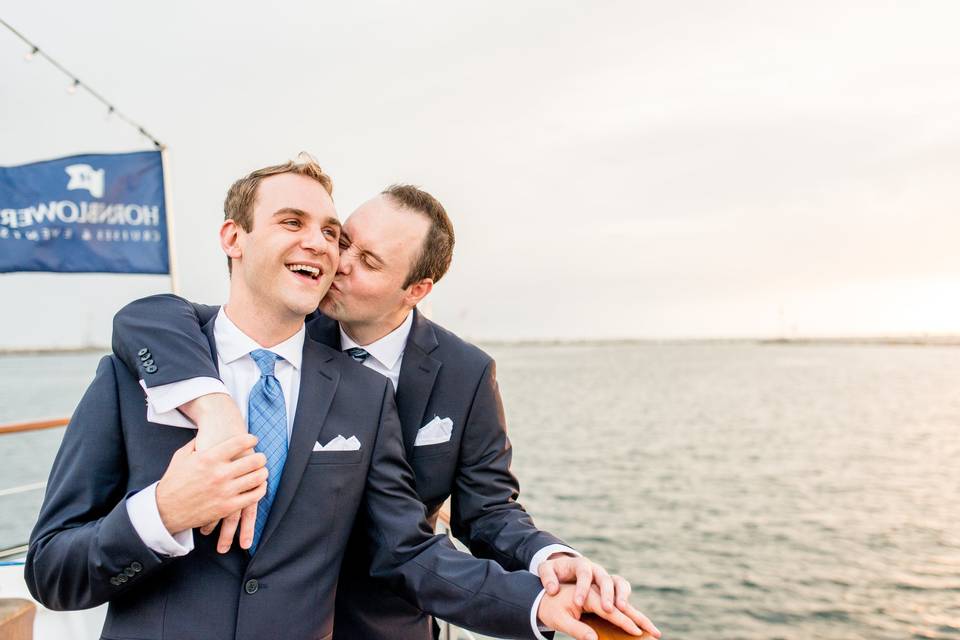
point(52, 351)
point(886, 341)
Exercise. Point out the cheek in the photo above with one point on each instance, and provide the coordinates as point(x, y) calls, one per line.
point(367, 289)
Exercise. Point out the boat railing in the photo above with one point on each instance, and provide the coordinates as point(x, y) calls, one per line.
point(17, 614)
point(23, 427)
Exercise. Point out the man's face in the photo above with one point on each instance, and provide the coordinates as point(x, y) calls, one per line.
point(289, 257)
point(385, 241)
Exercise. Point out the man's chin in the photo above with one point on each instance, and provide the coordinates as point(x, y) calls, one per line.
point(329, 307)
point(303, 306)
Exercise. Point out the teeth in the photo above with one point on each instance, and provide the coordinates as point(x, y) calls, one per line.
point(313, 271)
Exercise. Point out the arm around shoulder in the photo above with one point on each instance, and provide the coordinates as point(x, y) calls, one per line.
point(160, 341)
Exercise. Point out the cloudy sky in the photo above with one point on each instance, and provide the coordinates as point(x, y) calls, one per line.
point(613, 169)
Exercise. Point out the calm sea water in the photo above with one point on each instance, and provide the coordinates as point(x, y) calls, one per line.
point(747, 491)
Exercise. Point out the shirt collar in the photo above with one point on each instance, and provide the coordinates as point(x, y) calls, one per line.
point(388, 349)
point(233, 344)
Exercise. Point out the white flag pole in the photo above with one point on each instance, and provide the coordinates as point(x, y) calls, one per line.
point(174, 276)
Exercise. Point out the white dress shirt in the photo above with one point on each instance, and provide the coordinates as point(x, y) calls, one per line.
point(239, 374)
point(386, 354)
point(386, 358)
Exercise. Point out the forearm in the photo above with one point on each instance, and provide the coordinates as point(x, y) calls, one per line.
point(79, 567)
point(507, 535)
point(217, 418)
point(485, 514)
point(426, 569)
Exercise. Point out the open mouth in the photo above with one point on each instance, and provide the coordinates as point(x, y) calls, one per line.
point(304, 271)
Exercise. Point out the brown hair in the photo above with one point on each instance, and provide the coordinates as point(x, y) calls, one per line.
point(437, 249)
point(238, 205)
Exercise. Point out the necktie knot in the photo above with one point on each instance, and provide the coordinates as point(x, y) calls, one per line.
point(266, 360)
point(358, 354)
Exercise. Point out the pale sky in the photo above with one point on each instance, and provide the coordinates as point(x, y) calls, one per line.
point(612, 169)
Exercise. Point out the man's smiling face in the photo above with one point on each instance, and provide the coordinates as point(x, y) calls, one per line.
point(290, 255)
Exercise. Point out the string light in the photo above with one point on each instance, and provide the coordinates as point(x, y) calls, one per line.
point(76, 85)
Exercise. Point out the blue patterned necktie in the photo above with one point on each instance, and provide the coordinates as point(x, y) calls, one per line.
point(358, 354)
point(267, 419)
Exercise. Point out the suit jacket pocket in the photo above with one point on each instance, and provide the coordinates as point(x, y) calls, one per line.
point(336, 457)
point(429, 450)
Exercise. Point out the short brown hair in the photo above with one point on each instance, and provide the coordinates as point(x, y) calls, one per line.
point(238, 205)
point(436, 253)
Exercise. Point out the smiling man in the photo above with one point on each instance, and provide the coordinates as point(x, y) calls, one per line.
point(126, 491)
point(394, 248)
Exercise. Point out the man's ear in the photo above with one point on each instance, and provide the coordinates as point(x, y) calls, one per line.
point(418, 291)
point(230, 233)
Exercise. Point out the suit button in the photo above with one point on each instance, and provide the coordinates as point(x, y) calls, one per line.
point(122, 578)
point(136, 566)
point(129, 572)
point(114, 581)
point(252, 586)
point(151, 368)
point(148, 363)
point(146, 356)
point(143, 352)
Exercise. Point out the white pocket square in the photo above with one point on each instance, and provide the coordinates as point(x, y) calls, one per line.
point(339, 444)
point(434, 432)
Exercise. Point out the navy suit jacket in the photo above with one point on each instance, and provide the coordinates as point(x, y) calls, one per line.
point(441, 376)
point(84, 550)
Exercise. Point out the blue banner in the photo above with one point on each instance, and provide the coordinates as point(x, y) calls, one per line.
point(95, 213)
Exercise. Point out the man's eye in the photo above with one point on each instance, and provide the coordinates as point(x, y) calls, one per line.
point(292, 222)
point(331, 232)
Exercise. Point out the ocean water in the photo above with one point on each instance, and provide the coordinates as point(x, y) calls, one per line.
point(746, 491)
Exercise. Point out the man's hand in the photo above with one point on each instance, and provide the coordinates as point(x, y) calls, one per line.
point(562, 567)
point(203, 486)
point(218, 418)
point(561, 613)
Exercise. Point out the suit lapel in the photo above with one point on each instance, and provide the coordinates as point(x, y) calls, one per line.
point(319, 376)
point(418, 372)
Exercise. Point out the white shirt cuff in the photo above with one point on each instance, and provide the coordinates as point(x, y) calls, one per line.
point(537, 629)
point(168, 397)
point(145, 516)
point(540, 556)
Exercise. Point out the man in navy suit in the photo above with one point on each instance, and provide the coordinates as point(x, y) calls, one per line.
point(396, 246)
point(125, 491)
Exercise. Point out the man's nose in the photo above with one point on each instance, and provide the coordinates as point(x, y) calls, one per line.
point(314, 241)
point(346, 263)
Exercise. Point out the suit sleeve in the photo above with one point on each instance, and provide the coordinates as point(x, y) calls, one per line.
point(166, 328)
point(83, 540)
point(426, 569)
point(485, 514)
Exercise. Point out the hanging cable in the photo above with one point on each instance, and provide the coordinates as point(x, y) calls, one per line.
point(76, 84)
